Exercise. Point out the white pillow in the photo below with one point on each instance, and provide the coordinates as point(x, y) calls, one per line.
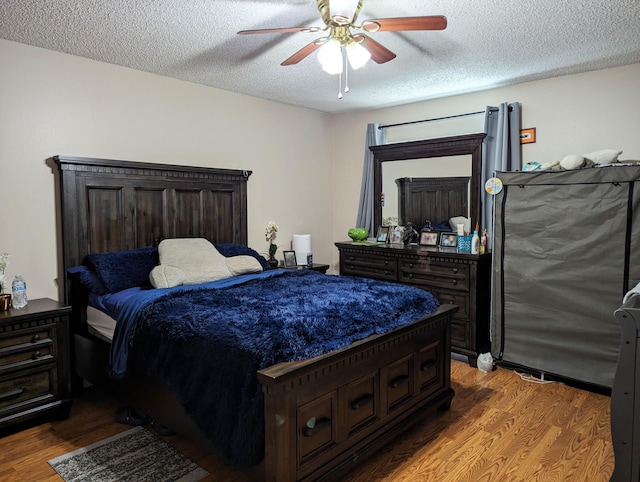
point(196, 257)
point(166, 276)
point(603, 156)
point(572, 161)
point(243, 265)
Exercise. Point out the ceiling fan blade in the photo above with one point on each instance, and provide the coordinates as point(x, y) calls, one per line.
point(280, 30)
point(304, 52)
point(432, 22)
point(379, 53)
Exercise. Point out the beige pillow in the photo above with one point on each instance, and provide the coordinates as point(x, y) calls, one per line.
point(196, 257)
point(166, 276)
point(603, 156)
point(572, 161)
point(243, 265)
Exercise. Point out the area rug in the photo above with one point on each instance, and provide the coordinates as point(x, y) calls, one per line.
point(134, 455)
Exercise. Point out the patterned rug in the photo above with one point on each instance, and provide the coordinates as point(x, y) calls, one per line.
point(134, 455)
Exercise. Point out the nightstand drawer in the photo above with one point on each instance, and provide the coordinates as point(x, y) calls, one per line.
point(27, 337)
point(30, 388)
point(22, 356)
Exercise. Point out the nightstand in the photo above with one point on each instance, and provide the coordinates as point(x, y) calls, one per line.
point(322, 268)
point(34, 362)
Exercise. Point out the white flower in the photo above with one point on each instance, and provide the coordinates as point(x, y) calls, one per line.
point(4, 260)
point(270, 232)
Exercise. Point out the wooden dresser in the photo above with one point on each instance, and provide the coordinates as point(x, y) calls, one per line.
point(457, 278)
point(34, 361)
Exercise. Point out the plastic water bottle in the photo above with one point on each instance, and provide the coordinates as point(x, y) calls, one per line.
point(18, 292)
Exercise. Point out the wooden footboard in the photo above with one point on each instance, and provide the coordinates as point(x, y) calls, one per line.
point(324, 414)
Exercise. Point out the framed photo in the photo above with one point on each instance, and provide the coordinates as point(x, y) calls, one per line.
point(290, 259)
point(528, 136)
point(448, 240)
point(396, 235)
point(429, 238)
point(383, 234)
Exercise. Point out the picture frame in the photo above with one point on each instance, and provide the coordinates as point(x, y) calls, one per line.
point(383, 234)
point(396, 235)
point(528, 136)
point(290, 259)
point(448, 240)
point(429, 238)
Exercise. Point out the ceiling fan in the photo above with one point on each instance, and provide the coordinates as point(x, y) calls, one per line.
point(339, 17)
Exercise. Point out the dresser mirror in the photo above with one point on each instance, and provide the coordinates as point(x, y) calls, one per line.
point(409, 185)
point(450, 161)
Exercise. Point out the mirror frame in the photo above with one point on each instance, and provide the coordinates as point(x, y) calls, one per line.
point(440, 147)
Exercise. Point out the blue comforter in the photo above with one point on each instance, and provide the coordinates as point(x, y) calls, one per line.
point(206, 342)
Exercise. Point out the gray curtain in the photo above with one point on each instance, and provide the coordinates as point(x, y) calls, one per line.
point(500, 152)
point(375, 137)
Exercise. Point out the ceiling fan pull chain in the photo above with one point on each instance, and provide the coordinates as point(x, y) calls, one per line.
point(346, 74)
point(340, 85)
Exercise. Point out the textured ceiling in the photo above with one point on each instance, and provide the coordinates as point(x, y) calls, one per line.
point(487, 43)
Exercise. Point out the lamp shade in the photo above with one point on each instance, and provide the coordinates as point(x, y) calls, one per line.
point(357, 55)
point(342, 11)
point(330, 57)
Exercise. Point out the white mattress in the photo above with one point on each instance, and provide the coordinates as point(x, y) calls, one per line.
point(101, 322)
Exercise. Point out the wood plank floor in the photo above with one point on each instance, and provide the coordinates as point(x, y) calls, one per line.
point(499, 428)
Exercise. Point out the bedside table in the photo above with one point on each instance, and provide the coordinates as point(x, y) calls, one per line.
point(34, 361)
point(322, 268)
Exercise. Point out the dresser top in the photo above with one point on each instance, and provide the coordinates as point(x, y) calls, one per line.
point(411, 249)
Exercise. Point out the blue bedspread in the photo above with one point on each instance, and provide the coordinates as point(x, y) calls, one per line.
point(206, 342)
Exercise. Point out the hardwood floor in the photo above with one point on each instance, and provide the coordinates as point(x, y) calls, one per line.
point(499, 428)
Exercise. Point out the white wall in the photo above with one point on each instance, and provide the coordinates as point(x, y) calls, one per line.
point(52, 103)
point(573, 114)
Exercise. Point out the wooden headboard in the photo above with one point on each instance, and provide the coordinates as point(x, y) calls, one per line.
point(435, 199)
point(110, 205)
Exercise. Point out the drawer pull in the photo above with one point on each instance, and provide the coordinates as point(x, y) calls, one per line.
point(35, 338)
point(455, 270)
point(427, 365)
point(454, 282)
point(316, 426)
point(396, 382)
point(410, 275)
point(410, 265)
point(12, 395)
point(362, 401)
point(36, 355)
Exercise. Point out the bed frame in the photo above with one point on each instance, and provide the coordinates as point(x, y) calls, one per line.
point(322, 414)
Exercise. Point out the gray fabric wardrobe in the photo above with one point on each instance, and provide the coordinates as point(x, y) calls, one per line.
point(566, 250)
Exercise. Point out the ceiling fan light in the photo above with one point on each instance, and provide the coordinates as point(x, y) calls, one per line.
point(330, 57)
point(342, 11)
point(357, 55)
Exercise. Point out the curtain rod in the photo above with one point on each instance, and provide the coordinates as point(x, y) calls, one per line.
point(493, 109)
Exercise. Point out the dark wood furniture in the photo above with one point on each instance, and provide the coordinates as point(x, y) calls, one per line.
point(34, 362)
point(432, 199)
point(470, 144)
point(321, 268)
point(360, 396)
point(455, 278)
